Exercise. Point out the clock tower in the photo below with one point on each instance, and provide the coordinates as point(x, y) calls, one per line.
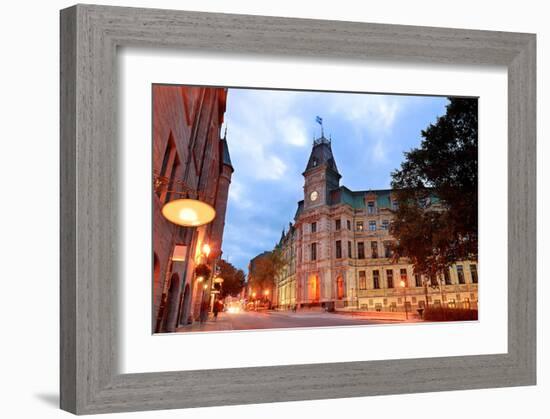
point(321, 174)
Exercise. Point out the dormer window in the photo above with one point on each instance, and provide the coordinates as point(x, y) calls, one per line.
point(314, 162)
point(370, 207)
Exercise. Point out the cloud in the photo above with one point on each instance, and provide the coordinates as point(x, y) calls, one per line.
point(375, 113)
point(292, 131)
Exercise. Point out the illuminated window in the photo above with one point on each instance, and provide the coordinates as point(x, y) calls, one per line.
point(359, 226)
point(403, 274)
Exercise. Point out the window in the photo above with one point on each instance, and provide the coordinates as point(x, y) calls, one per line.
point(360, 250)
point(170, 163)
point(348, 222)
point(394, 205)
point(349, 250)
point(388, 251)
point(473, 273)
point(374, 250)
point(418, 280)
point(338, 224)
point(314, 227)
point(460, 273)
point(372, 225)
point(359, 226)
point(403, 274)
point(385, 224)
point(370, 207)
point(362, 280)
point(313, 251)
point(376, 279)
point(338, 249)
point(389, 277)
point(447, 275)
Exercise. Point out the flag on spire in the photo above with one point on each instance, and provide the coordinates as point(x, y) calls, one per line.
point(319, 120)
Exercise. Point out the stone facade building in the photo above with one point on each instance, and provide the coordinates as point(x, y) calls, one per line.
point(190, 160)
point(337, 253)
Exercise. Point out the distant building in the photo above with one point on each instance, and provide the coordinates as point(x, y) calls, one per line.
point(337, 252)
point(190, 159)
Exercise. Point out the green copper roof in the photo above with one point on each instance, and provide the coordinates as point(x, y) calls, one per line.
point(356, 199)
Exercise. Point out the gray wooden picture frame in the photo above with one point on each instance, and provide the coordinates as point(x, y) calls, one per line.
point(90, 36)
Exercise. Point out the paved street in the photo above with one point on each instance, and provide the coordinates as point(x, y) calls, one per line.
point(277, 319)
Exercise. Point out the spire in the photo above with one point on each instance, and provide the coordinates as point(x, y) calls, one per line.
point(321, 154)
point(226, 158)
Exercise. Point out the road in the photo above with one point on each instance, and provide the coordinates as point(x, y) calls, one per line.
point(251, 320)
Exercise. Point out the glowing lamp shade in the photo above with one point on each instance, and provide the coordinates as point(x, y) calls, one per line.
point(188, 212)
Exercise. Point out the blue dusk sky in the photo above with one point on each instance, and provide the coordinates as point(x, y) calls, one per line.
point(270, 135)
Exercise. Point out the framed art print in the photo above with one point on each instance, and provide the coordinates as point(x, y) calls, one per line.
point(257, 209)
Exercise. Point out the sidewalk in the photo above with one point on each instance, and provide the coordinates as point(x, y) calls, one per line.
point(211, 325)
point(382, 315)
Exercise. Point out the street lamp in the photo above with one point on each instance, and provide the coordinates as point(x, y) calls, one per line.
point(206, 249)
point(188, 212)
point(403, 285)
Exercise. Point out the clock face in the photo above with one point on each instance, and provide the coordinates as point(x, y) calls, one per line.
point(313, 196)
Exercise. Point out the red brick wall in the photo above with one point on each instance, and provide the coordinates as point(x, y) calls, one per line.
point(189, 117)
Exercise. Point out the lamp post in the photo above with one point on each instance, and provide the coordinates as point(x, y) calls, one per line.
point(404, 286)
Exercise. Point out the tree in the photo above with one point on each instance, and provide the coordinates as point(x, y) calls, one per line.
point(233, 279)
point(263, 270)
point(436, 221)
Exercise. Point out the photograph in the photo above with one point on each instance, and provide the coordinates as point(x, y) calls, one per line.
point(298, 209)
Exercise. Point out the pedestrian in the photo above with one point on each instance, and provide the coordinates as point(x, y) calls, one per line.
point(216, 309)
